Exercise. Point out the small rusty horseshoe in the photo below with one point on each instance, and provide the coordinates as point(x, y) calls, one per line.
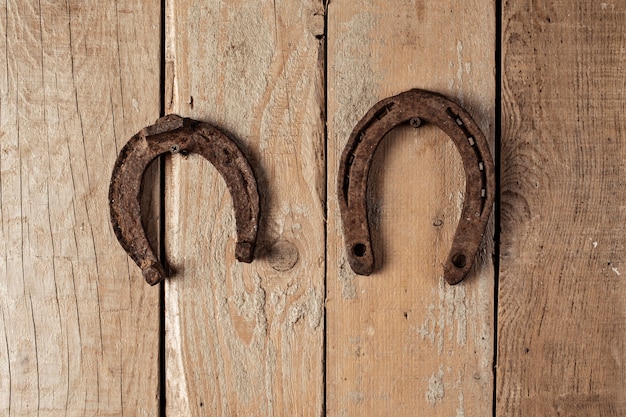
point(175, 134)
point(417, 106)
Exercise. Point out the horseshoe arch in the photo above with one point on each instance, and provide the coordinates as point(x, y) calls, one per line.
point(175, 134)
point(415, 107)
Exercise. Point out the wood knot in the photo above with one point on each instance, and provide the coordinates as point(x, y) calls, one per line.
point(283, 255)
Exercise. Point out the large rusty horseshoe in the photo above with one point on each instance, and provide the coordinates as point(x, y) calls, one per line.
point(417, 106)
point(174, 134)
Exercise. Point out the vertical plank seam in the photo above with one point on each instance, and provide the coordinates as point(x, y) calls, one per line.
point(326, 135)
point(497, 208)
point(161, 226)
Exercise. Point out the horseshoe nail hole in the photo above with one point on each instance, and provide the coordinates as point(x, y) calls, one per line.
point(459, 260)
point(184, 152)
point(227, 157)
point(359, 250)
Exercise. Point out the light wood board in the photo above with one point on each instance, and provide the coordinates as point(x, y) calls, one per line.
point(562, 299)
point(247, 339)
point(79, 328)
point(402, 342)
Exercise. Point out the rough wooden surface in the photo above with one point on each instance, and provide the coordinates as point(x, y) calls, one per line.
point(562, 299)
point(401, 341)
point(78, 327)
point(247, 339)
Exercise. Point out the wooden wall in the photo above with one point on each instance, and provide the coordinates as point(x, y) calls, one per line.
point(538, 329)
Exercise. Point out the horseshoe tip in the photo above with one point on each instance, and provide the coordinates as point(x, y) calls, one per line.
point(453, 280)
point(244, 252)
point(153, 274)
point(361, 268)
point(455, 274)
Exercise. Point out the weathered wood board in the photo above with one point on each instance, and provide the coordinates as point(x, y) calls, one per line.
point(401, 341)
point(297, 332)
point(247, 339)
point(562, 299)
point(79, 329)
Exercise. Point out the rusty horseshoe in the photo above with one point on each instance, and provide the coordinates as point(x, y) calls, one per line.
point(415, 107)
point(175, 134)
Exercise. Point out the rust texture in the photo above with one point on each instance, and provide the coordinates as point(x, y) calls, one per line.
point(417, 107)
point(174, 134)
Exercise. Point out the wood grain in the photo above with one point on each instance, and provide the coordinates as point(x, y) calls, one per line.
point(401, 341)
point(562, 302)
point(78, 327)
point(247, 339)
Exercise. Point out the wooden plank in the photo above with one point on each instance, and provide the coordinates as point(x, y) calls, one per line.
point(247, 339)
point(562, 302)
point(401, 341)
point(78, 327)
